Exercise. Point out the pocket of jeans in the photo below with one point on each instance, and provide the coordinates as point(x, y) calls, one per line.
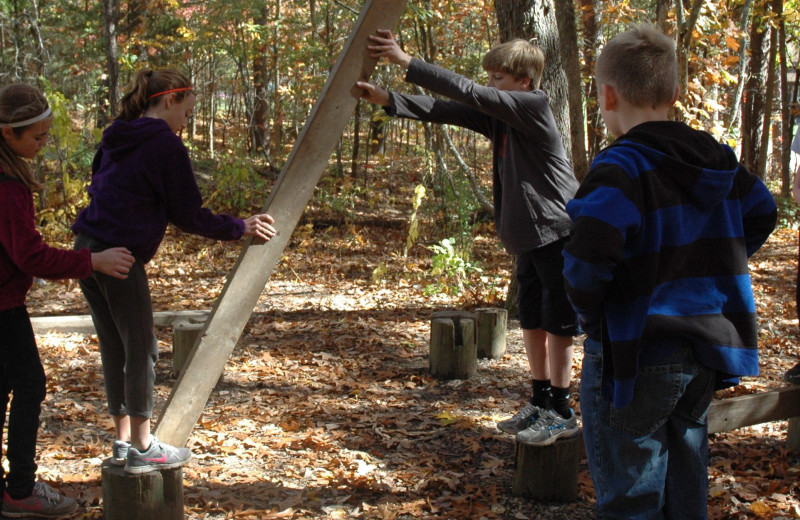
point(655, 395)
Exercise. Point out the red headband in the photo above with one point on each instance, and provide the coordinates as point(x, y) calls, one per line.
point(165, 92)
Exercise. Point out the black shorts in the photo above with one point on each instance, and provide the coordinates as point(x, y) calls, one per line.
point(542, 299)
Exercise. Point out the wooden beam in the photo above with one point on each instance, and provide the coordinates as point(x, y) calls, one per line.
point(83, 322)
point(286, 203)
point(747, 410)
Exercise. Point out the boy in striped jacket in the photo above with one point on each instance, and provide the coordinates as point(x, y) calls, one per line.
point(656, 268)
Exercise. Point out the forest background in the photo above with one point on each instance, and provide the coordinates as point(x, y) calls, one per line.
point(329, 384)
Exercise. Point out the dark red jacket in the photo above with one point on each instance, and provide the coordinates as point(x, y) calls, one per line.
point(23, 253)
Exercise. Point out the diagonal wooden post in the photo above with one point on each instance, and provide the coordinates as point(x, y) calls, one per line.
point(286, 203)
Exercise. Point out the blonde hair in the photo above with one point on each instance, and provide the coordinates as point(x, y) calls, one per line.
point(19, 102)
point(145, 88)
point(517, 57)
point(641, 65)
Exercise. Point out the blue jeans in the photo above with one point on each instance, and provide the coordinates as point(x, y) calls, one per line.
point(649, 459)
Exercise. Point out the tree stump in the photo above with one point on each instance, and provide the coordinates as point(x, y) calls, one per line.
point(453, 351)
point(148, 496)
point(793, 434)
point(548, 473)
point(491, 332)
point(184, 335)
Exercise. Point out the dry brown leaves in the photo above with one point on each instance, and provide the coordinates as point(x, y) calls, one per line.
point(326, 409)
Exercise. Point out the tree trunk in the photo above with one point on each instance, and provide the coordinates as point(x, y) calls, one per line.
point(735, 103)
point(567, 28)
point(753, 98)
point(261, 79)
point(786, 116)
point(106, 112)
point(594, 122)
point(768, 104)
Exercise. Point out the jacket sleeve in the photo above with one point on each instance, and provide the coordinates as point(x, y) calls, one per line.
point(185, 202)
point(24, 245)
point(603, 215)
point(527, 112)
point(759, 211)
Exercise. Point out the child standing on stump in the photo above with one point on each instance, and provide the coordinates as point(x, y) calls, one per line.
point(142, 179)
point(657, 271)
point(533, 181)
point(25, 120)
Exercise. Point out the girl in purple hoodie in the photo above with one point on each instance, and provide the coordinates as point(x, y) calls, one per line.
point(142, 179)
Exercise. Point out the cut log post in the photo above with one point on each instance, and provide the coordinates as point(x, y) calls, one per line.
point(491, 332)
point(148, 496)
point(185, 334)
point(548, 473)
point(793, 434)
point(453, 352)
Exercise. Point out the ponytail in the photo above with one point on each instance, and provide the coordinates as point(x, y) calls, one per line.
point(147, 88)
point(21, 106)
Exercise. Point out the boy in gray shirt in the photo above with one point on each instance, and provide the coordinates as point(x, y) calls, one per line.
point(533, 181)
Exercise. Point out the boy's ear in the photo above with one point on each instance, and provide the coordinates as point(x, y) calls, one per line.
point(675, 97)
point(610, 100)
point(7, 132)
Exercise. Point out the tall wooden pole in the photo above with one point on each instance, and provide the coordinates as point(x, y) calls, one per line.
point(286, 203)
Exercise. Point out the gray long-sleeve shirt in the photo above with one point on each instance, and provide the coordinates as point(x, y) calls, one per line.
point(533, 180)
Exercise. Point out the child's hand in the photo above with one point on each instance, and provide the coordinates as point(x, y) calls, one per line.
point(115, 261)
point(259, 226)
point(373, 93)
point(385, 46)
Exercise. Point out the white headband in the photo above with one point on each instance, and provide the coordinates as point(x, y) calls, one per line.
point(17, 124)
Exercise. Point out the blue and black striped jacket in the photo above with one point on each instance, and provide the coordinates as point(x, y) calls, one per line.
point(663, 226)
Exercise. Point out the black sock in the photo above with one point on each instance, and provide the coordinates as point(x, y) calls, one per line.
point(560, 401)
point(541, 393)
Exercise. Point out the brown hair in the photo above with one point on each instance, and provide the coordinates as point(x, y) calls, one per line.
point(641, 65)
point(517, 57)
point(144, 85)
point(19, 102)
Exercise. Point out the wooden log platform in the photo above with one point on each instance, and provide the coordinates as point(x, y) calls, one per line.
point(490, 333)
point(453, 353)
point(148, 496)
point(548, 473)
point(185, 333)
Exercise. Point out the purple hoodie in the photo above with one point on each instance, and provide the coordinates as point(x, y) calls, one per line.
point(142, 179)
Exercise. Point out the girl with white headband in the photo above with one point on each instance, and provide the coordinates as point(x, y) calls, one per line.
point(25, 120)
point(142, 179)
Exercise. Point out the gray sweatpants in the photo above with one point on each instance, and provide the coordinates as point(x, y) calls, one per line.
point(122, 313)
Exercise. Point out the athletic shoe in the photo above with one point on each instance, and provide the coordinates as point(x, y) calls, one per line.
point(549, 427)
point(793, 375)
point(119, 452)
point(44, 502)
point(158, 456)
point(520, 420)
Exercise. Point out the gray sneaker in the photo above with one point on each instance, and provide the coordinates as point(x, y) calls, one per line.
point(158, 456)
point(119, 452)
point(520, 420)
point(549, 427)
point(44, 502)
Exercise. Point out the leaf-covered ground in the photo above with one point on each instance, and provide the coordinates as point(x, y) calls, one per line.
point(326, 409)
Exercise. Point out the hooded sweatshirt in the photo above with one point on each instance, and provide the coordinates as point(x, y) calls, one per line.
point(142, 179)
point(663, 226)
point(23, 253)
point(532, 176)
